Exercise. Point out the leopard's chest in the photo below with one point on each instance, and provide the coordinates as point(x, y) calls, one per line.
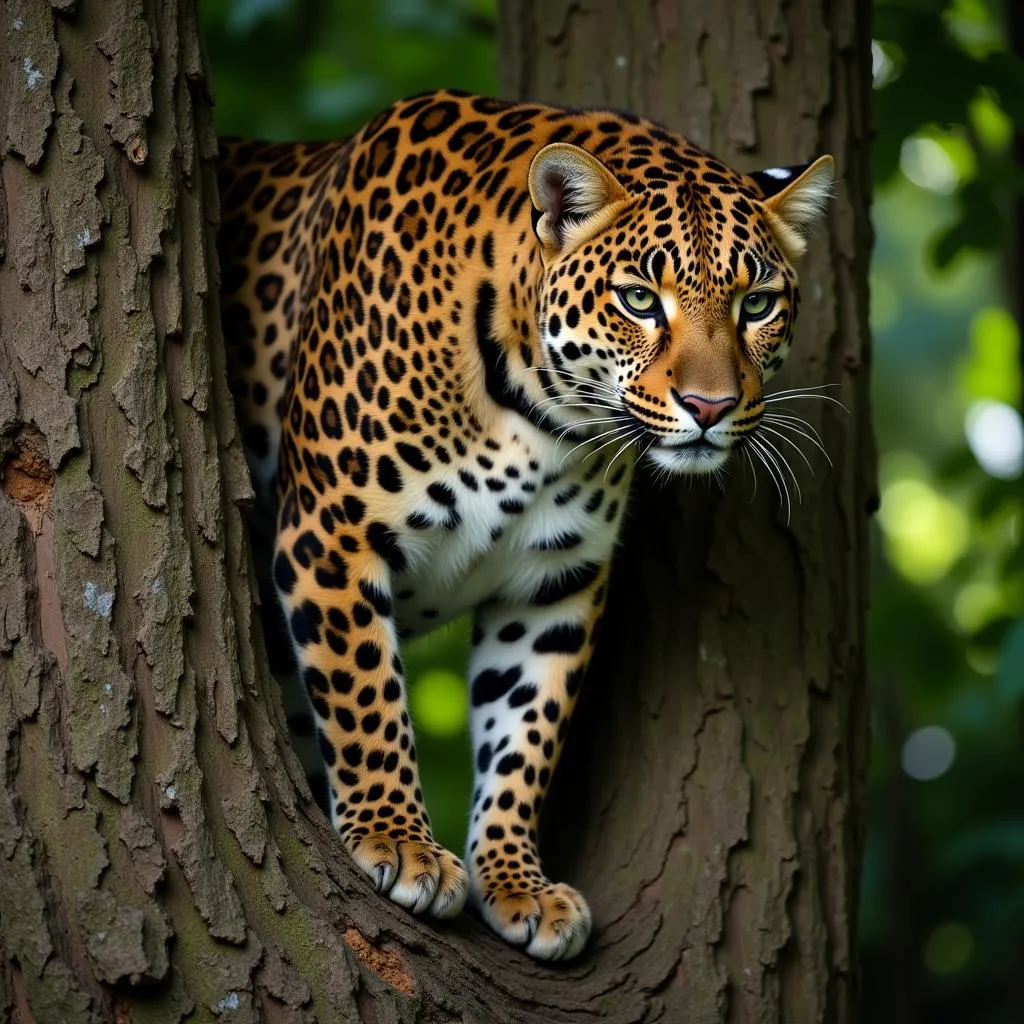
point(512, 516)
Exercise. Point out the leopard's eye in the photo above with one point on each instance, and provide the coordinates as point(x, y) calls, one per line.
point(756, 304)
point(639, 299)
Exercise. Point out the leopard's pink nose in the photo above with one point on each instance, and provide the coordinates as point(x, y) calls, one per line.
point(706, 411)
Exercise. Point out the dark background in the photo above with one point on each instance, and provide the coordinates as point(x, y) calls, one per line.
point(942, 935)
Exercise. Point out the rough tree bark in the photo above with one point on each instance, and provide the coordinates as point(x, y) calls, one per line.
point(724, 812)
point(160, 859)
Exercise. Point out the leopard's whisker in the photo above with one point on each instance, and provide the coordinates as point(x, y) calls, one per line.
point(753, 469)
point(804, 390)
point(772, 473)
point(573, 378)
point(587, 423)
point(780, 458)
point(771, 455)
point(790, 398)
point(774, 416)
point(647, 449)
point(790, 441)
point(578, 389)
point(590, 455)
point(815, 439)
point(591, 440)
point(597, 401)
point(629, 440)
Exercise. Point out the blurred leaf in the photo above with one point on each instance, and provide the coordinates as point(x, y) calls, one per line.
point(1015, 562)
point(934, 656)
point(948, 948)
point(993, 367)
point(925, 531)
point(994, 495)
point(992, 125)
point(981, 225)
point(955, 465)
point(331, 102)
point(952, 69)
point(246, 14)
point(994, 841)
point(992, 633)
point(322, 68)
point(1011, 663)
point(439, 702)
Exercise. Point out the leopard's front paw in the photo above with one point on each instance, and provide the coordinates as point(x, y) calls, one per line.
point(551, 921)
point(422, 877)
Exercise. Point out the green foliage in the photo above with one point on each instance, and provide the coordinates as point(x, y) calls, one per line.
point(943, 907)
point(948, 78)
point(321, 68)
point(441, 718)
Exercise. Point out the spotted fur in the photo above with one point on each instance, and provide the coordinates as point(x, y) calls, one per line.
point(444, 389)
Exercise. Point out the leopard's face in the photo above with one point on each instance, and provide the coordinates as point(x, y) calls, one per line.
point(661, 329)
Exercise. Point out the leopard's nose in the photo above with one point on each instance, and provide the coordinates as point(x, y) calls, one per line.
point(706, 411)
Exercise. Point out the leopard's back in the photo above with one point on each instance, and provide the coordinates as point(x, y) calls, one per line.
point(268, 248)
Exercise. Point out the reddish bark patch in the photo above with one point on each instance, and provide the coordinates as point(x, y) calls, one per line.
point(25, 1015)
point(28, 479)
point(385, 963)
point(137, 150)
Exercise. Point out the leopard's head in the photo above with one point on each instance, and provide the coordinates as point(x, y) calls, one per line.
point(668, 302)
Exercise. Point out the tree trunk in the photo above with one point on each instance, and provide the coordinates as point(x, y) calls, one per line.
point(160, 858)
point(713, 791)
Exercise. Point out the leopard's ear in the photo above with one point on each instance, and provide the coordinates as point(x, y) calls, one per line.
point(573, 191)
point(795, 200)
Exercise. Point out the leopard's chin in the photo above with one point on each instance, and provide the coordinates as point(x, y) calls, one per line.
point(698, 458)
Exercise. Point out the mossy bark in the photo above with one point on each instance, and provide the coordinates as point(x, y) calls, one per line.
point(160, 859)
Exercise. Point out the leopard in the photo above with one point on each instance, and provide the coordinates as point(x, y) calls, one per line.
point(454, 340)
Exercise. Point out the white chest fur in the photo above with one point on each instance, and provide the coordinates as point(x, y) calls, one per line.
point(514, 512)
